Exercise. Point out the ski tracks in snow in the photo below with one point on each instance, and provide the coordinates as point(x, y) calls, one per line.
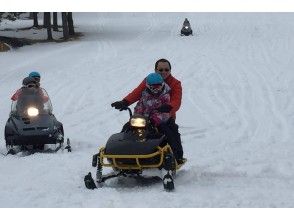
point(236, 117)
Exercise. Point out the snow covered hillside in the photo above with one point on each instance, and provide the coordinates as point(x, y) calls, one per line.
point(236, 119)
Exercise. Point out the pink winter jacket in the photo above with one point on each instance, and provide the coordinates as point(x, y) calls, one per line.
point(148, 104)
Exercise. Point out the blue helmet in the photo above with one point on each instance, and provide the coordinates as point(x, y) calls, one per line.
point(154, 78)
point(34, 74)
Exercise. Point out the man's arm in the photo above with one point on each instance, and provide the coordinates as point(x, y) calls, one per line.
point(44, 95)
point(135, 95)
point(15, 95)
point(176, 97)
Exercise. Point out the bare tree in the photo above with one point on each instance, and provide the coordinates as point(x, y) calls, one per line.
point(12, 16)
point(55, 21)
point(1, 15)
point(65, 25)
point(47, 22)
point(70, 24)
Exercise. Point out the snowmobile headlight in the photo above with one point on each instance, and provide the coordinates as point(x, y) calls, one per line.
point(138, 122)
point(32, 111)
point(186, 27)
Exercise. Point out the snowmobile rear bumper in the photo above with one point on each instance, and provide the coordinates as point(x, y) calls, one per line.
point(186, 33)
point(31, 139)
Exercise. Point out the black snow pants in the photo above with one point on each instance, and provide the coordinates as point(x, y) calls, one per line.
point(171, 130)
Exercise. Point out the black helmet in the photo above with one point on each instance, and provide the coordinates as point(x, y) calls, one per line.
point(28, 80)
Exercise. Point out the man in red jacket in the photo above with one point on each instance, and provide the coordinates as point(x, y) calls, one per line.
point(170, 128)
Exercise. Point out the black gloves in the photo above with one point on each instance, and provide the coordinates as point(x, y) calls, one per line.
point(121, 105)
point(165, 108)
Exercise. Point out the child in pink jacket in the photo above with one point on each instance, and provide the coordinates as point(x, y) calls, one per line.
point(154, 96)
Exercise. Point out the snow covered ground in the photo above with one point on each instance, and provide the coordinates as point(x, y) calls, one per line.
point(236, 119)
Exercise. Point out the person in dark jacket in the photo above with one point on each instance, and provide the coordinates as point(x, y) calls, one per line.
point(34, 77)
point(30, 82)
point(169, 128)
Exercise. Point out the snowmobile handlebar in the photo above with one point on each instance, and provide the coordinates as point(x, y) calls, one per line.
point(130, 112)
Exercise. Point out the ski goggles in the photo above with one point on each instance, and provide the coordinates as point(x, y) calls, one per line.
point(37, 79)
point(155, 88)
point(31, 85)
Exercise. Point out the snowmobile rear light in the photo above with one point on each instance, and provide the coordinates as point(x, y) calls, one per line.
point(32, 111)
point(138, 122)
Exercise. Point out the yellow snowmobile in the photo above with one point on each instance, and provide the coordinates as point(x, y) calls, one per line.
point(138, 147)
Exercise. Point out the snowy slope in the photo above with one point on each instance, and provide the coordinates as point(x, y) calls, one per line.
point(236, 119)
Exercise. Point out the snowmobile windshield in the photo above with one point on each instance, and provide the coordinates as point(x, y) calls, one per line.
point(186, 22)
point(32, 102)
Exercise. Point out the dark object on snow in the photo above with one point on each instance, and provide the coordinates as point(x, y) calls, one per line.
point(31, 123)
point(89, 182)
point(186, 29)
point(14, 42)
point(138, 147)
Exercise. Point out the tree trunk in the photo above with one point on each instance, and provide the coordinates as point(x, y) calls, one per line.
point(70, 24)
point(31, 15)
point(55, 22)
point(35, 16)
point(47, 20)
point(65, 26)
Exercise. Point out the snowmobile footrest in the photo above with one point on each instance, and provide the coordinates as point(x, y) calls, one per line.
point(95, 160)
point(89, 182)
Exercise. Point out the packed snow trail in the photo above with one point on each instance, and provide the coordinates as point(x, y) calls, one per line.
point(236, 118)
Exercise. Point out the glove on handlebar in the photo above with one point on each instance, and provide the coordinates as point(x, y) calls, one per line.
point(120, 105)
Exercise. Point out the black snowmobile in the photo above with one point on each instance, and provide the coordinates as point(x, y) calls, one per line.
point(31, 124)
point(138, 147)
point(186, 28)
